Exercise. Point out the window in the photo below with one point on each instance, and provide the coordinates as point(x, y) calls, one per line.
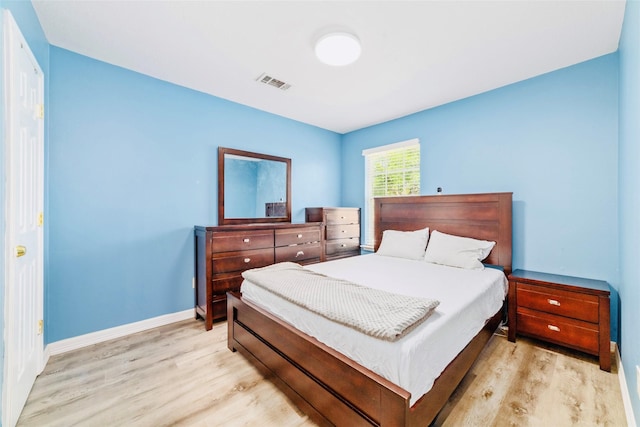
point(390, 170)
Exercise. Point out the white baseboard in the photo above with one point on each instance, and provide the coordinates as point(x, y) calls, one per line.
point(75, 343)
point(626, 398)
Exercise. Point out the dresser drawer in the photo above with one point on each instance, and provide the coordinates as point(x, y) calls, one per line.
point(241, 260)
point(560, 330)
point(559, 302)
point(227, 241)
point(294, 236)
point(224, 282)
point(339, 246)
point(342, 231)
point(299, 253)
point(219, 307)
point(342, 216)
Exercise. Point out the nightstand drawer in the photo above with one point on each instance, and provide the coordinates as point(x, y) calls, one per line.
point(562, 303)
point(560, 330)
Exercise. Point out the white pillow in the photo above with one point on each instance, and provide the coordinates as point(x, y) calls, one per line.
point(455, 251)
point(404, 244)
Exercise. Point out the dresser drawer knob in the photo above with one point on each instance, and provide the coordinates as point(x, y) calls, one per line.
point(246, 240)
point(300, 253)
point(554, 302)
point(553, 328)
point(344, 245)
point(247, 260)
point(299, 236)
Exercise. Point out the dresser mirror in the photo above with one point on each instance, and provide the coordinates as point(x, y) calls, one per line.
point(253, 187)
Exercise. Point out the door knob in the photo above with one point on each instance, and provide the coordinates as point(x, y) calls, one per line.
point(20, 251)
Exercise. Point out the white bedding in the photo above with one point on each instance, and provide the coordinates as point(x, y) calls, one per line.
point(467, 299)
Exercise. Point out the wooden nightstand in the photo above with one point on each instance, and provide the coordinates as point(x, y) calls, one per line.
point(564, 310)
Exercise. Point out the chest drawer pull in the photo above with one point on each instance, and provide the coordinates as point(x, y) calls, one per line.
point(246, 240)
point(300, 253)
point(247, 260)
point(554, 302)
point(299, 236)
point(553, 328)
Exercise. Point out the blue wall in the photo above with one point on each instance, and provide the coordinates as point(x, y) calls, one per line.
point(629, 184)
point(133, 167)
point(551, 140)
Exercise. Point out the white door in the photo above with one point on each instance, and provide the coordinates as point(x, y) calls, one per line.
point(24, 100)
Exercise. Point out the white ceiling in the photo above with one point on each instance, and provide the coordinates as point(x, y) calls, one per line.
point(415, 54)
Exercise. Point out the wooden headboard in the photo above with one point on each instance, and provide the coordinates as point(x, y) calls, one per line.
point(481, 216)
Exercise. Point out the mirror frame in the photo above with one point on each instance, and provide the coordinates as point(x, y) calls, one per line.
point(222, 220)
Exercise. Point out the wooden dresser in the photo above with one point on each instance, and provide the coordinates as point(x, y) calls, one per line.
point(222, 253)
point(340, 230)
point(569, 311)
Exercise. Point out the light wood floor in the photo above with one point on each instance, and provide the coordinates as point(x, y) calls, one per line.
point(180, 375)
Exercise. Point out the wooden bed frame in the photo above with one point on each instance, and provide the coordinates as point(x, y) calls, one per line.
point(333, 389)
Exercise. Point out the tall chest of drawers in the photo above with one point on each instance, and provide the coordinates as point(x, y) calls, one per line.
point(222, 253)
point(564, 310)
point(340, 230)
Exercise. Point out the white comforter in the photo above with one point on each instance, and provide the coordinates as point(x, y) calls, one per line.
point(467, 299)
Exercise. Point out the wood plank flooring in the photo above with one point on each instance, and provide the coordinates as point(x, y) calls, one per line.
point(181, 375)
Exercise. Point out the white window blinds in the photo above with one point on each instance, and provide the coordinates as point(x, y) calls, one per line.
point(390, 170)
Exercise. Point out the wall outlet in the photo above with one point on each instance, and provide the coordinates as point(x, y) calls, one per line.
point(193, 283)
point(638, 380)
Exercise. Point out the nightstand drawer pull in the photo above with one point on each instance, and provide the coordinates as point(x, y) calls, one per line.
point(246, 240)
point(300, 253)
point(247, 260)
point(553, 328)
point(299, 236)
point(554, 302)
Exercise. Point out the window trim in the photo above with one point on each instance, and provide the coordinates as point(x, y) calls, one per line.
point(396, 145)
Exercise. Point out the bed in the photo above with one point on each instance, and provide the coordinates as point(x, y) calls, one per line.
point(332, 388)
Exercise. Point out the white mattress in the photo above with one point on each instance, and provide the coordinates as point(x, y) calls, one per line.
point(467, 299)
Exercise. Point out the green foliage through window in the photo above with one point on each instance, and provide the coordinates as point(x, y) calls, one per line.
point(395, 173)
point(392, 172)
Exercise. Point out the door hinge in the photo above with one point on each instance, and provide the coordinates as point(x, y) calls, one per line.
point(40, 326)
point(40, 111)
point(40, 219)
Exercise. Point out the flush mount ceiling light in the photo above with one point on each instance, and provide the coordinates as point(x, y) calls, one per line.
point(338, 49)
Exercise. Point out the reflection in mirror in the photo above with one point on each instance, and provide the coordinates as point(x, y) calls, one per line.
point(252, 187)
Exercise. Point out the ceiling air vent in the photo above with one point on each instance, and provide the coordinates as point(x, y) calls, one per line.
point(268, 80)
